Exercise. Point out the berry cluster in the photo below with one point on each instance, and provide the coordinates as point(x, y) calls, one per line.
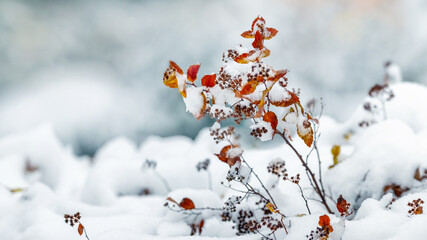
point(72, 219)
point(416, 207)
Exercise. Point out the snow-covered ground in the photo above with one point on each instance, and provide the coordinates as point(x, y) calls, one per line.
point(121, 197)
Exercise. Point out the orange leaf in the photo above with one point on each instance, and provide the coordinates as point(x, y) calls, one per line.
point(170, 81)
point(249, 87)
point(223, 153)
point(271, 118)
point(187, 204)
point(258, 42)
point(272, 32)
point(308, 137)
point(279, 74)
point(177, 68)
point(80, 229)
point(248, 34)
point(209, 80)
point(192, 72)
point(324, 221)
point(264, 53)
point(286, 103)
point(242, 58)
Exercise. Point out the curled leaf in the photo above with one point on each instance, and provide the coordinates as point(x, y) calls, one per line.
point(187, 204)
point(192, 72)
point(209, 80)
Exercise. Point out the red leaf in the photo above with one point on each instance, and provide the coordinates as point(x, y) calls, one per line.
point(192, 72)
point(80, 229)
point(209, 80)
point(187, 204)
point(201, 224)
point(342, 205)
point(177, 68)
point(271, 118)
point(258, 42)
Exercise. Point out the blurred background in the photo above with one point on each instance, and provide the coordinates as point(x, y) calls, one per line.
point(93, 69)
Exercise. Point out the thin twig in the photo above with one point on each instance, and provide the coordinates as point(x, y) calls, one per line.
point(162, 179)
point(308, 170)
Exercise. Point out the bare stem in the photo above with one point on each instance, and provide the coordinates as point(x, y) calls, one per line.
point(311, 176)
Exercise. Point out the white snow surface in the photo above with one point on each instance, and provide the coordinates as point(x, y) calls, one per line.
point(119, 199)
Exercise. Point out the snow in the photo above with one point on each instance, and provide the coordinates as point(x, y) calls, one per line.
point(120, 198)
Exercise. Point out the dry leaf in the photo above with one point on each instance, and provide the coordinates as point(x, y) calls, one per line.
point(80, 229)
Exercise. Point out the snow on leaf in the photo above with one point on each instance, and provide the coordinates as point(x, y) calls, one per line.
point(223, 153)
point(192, 72)
point(187, 204)
point(306, 134)
point(80, 229)
point(209, 80)
point(242, 58)
point(195, 102)
point(286, 102)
